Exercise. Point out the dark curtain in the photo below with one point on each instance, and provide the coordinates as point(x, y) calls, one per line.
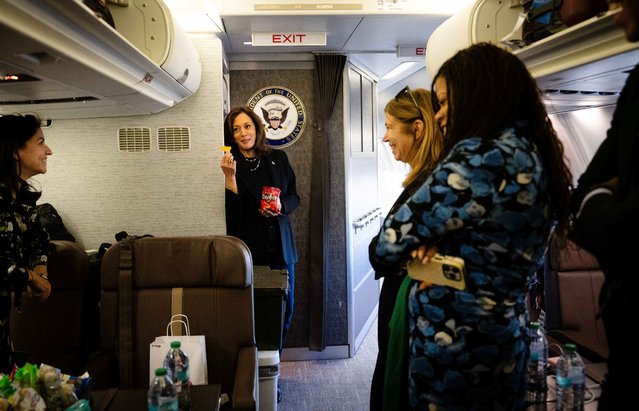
point(329, 68)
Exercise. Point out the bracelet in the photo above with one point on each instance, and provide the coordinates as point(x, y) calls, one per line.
point(46, 277)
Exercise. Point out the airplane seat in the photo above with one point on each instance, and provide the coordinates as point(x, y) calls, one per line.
point(58, 331)
point(572, 283)
point(207, 278)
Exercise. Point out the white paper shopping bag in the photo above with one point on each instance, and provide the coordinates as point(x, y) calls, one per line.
point(194, 346)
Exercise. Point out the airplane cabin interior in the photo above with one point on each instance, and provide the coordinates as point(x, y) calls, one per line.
point(133, 94)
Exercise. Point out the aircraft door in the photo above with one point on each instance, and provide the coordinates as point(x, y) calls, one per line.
point(362, 206)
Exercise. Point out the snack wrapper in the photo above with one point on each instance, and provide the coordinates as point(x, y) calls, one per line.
point(270, 199)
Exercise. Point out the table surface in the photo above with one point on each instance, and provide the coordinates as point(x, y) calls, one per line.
point(203, 398)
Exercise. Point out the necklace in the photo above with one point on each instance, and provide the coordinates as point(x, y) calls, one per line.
point(253, 160)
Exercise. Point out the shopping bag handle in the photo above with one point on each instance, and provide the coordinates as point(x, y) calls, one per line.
point(182, 317)
point(170, 326)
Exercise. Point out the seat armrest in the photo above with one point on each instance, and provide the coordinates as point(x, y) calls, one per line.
point(246, 386)
point(587, 347)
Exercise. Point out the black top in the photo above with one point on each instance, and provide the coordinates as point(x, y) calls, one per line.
point(270, 239)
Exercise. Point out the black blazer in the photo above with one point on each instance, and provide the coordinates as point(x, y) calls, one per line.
point(248, 198)
point(606, 219)
point(383, 269)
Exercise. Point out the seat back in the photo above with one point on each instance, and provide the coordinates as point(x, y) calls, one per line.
point(215, 276)
point(572, 285)
point(57, 331)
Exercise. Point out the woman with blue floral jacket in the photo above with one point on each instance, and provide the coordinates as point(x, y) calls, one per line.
point(500, 184)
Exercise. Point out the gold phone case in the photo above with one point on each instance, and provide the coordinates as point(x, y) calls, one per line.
point(441, 270)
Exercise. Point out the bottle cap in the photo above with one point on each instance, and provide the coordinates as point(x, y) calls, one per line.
point(160, 371)
point(176, 344)
point(535, 325)
point(570, 347)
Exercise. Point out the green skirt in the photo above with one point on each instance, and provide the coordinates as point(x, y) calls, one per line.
point(396, 377)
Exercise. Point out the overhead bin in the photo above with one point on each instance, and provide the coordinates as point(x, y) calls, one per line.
point(484, 20)
point(77, 66)
point(582, 66)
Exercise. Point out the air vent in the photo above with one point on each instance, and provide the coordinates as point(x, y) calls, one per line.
point(174, 139)
point(134, 139)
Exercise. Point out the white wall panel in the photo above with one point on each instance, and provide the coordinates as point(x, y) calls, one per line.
point(99, 191)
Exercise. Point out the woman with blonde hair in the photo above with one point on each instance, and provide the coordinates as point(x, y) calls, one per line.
point(414, 138)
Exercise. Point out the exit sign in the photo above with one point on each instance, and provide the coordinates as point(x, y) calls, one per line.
point(289, 39)
point(411, 51)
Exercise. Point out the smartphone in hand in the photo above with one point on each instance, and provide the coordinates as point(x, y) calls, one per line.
point(441, 270)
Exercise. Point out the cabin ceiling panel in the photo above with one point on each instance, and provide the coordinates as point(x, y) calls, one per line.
point(239, 30)
point(369, 40)
point(384, 34)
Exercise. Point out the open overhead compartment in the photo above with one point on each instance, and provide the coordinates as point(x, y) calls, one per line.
point(582, 66)
point(59, 60)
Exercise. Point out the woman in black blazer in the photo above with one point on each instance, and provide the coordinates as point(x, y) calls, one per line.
point(250, 165)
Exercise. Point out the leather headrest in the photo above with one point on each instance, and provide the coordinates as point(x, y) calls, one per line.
point(68, 265)
point(570, 257)
point(165, 262)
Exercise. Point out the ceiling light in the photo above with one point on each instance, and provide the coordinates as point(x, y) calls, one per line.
point(404, 65)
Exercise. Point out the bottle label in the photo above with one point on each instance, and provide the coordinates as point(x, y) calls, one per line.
point(564, 382)
point(577, 375)
point(167, 404)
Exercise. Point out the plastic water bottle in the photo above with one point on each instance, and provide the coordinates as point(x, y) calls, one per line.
point(536, 385)
point(162, 394)
point(177, 366)
point(571, 380)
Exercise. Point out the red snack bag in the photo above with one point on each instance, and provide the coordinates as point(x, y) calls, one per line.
point(270, 199)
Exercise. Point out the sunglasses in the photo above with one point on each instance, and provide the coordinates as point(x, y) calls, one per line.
point(410, 93)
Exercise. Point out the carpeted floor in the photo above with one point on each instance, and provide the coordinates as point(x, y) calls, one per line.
point(330, 385)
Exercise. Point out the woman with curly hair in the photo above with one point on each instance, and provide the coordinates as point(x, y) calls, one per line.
point(500, 185)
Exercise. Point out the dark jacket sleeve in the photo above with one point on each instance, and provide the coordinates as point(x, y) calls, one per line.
point(606, 218)
point(381, 268)
point(232, 208)
point(290, 199)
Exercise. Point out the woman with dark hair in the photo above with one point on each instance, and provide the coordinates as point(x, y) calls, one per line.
point(24, 243)
point(500, 185)
point(415, 139)
point(249, 166)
